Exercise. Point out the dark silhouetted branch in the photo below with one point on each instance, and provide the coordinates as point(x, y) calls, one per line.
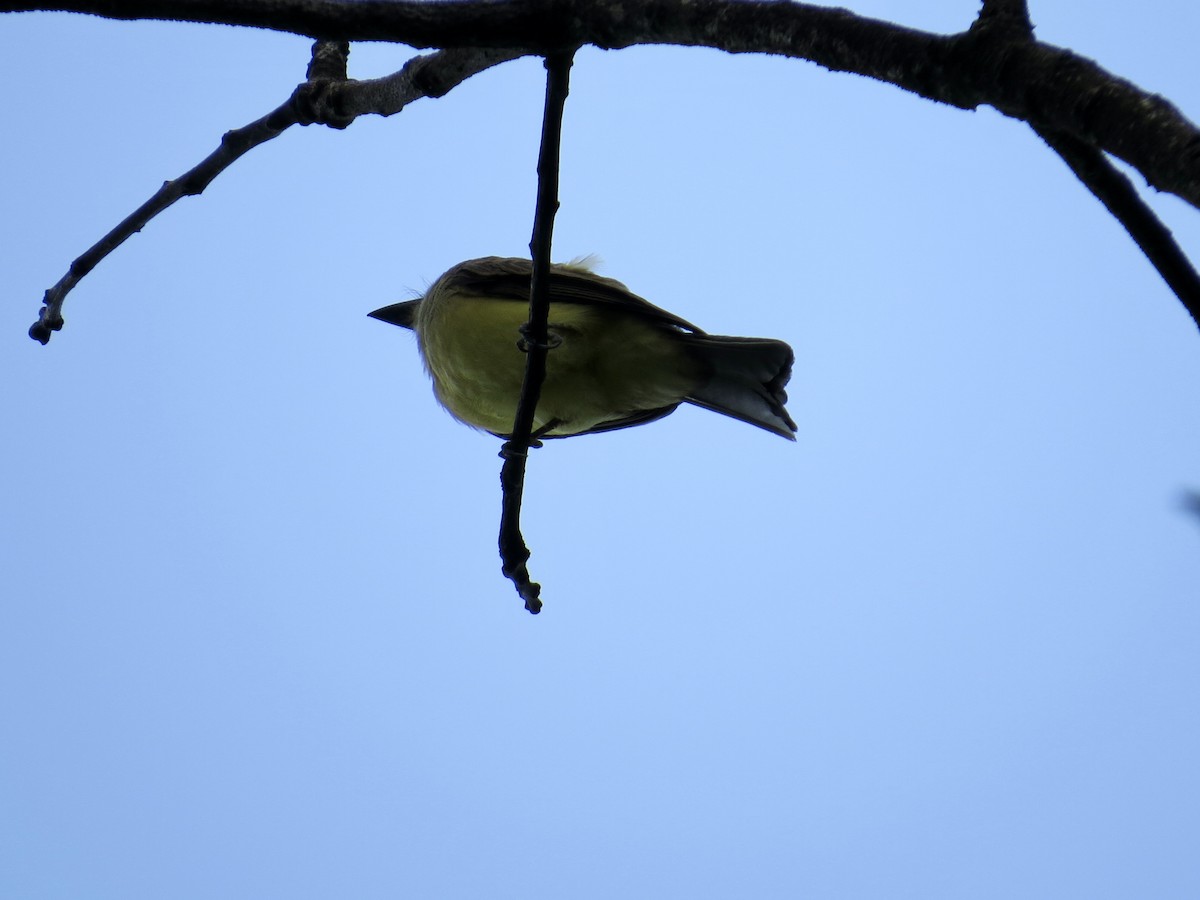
point(1120, 197)
point(326, 98)
point(535, 336)
point(994, 66)
point(995, 62)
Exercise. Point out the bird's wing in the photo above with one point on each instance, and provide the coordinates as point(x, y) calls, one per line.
point(508, 279)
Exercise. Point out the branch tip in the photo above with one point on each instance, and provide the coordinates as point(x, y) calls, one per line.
point(46, 325)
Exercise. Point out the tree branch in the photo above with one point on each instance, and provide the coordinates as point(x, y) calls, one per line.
point(326, 98)
point(1045, 85)
point(995, 62)
point(535, 338)
point(1120, 197)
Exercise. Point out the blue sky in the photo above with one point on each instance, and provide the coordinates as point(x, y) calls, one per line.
point(255, 641)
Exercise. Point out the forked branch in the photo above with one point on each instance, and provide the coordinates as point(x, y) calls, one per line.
point(996, 62)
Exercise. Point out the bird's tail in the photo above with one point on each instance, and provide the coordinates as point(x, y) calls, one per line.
point(746, 379)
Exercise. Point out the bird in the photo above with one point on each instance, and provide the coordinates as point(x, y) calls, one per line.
point(616, 360)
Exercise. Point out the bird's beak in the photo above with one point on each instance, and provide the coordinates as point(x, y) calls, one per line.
point(401, 314)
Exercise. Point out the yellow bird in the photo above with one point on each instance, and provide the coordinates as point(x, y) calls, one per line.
point(616, 359)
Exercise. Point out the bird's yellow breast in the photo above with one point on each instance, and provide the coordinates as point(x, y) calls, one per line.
point(607, 364)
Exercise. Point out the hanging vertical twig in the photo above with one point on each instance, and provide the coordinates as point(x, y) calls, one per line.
point(535, 336)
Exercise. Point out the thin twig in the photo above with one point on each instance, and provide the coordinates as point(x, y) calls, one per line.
point(1119, 196)
point(234, 144)
point(327, 58)
point(326, 98)
point(535, 337)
